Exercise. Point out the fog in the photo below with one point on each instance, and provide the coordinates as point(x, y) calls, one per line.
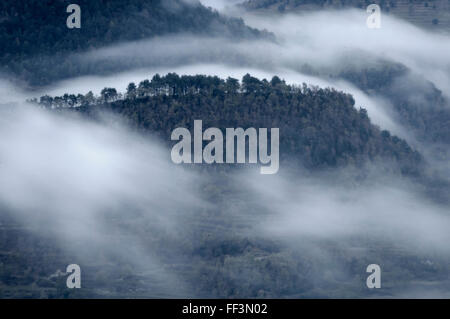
point(86, 184)
point(382, 220)
point(308, 48)
point(92, 187)
point(328, 208)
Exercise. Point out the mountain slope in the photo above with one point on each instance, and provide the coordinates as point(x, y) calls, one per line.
point(427, 13)
point(35, 37)
point(319, 128)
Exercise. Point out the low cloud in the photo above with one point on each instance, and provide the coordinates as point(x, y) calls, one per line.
point(96, 189)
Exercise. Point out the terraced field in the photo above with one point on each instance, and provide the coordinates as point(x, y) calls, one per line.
point(431, 13)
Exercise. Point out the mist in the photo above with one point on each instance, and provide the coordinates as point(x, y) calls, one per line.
point(99, 188)
point(221, 5)
point(108, 195)
point(328, 208)
point(308, 48)
point(382, 220)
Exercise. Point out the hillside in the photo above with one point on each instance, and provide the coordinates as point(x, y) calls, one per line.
point(90, 179)
point(427, 13)
point(319, 128)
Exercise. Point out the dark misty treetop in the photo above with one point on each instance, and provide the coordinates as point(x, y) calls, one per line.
point(426, 13)
point(318, 127)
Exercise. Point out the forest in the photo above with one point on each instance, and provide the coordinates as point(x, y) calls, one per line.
point(86, 176)
point(319, 127)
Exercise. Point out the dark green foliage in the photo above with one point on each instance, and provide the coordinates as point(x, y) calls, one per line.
point(213, 252)
point(421, 108)
point(318, 127)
